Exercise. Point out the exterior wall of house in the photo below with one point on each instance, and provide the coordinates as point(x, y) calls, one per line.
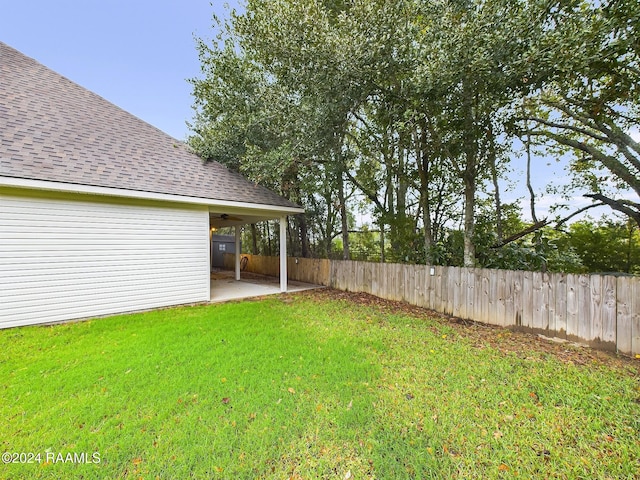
point(70, 256)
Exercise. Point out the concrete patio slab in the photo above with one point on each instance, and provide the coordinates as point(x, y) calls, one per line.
point(224, 287)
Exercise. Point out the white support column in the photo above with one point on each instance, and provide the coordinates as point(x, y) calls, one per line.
point(237, 252)
point(283, 254)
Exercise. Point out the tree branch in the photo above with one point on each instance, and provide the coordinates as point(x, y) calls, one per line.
point(543, 223)
point(512, 238)
point(563, 126)
point(611, 163)
point(620, 206)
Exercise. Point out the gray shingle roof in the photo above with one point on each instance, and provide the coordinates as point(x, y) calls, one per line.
point(53, 129)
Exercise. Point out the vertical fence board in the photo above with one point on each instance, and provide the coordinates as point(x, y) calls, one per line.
point(540, 300)
point(635, 316)
point(412, 271)
point(572, 305)
point(384, 279)
point(355, 283)
point(441, 288)
point(494, 304)
point(509, 307)
point(450, 288)
point(518, 281)
point(463, 294)
point(624, 315)
point(347, 271)
point(410, 284)
point(333, 273)
point(456, 290)
point(391, 281)
point(486, 295)
point(551, 325)
point(339, 275)
point(461, 300)
point(345, 266)
point(416, 283)
point(497, 292)
point(399, 274)
point(425, 287)
point(431, 288)
point(444, 290)
point(470, 293)
point(527, 299)
point(419, 284)
point(437, 289)
point(546, 297)
point(477, 294)
point(374, 279)
point(536, 299)
point(304, 270)
point(584, 307)
point(503, 289)
point(404, 291)
point(360, 275)
point(561, 305)
point(333, 282)
point(430, 285)
point(609, 308)
point(326, 272)
point(596, 300)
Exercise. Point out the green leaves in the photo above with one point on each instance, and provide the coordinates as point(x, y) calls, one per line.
point(408, 110)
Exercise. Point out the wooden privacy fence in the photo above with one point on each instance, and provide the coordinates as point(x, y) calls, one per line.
point(600, 310)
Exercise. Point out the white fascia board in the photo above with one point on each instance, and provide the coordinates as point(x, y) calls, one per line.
point(121, 192)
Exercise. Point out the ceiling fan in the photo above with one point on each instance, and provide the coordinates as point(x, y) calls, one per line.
point(226, 216)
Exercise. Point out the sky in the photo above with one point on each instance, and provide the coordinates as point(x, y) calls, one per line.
point(137, 54)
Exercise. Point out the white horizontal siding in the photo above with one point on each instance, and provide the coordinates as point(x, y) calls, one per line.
point(75, 256)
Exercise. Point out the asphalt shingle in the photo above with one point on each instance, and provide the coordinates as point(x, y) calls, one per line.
point(53, 129)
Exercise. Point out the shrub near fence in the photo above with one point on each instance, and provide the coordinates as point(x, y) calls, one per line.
point(600, 310)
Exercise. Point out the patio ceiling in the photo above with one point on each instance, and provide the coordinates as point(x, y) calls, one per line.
point(230, 217)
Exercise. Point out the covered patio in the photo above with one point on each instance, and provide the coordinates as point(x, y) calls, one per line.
point(234, 284)
point(225, 287)
point(237, 217)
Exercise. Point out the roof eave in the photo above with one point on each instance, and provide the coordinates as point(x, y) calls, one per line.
point(25, 183)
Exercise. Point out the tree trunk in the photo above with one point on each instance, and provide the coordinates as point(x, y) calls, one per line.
point(532, 195)
point(537, 238)
point(329, 225)
point(304, 235)
point(381, 240)
point(254, 239)
point(425, 198)
point(496, 185)
point(343, 214)
point(469, 220)
point(268, 237)
point(469, 175)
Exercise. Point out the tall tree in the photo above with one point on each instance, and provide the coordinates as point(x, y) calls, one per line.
point(592, 103)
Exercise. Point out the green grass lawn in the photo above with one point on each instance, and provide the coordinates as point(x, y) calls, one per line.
point(308, 386)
